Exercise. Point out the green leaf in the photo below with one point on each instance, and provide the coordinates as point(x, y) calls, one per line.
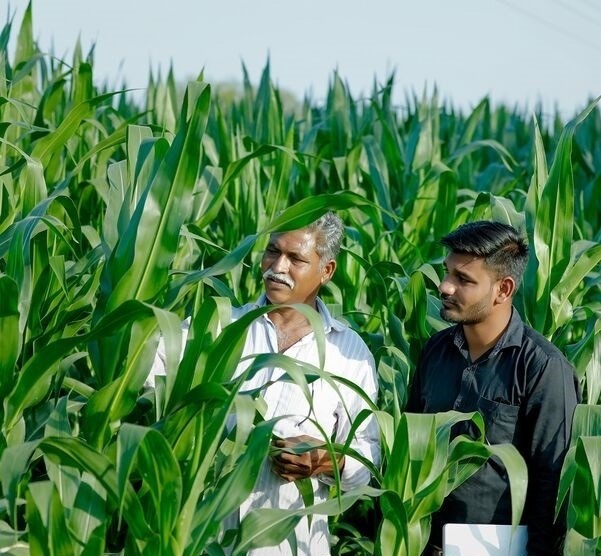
point(554, 223)
point(508, 161)
point(48, 527)
point(75, 453)
point(414, 299)
point(269, 526)
point(88, 518)
point(570, 281)
point(33, 379)
point(517, 473)
point(140, 262)
point(145, 451)
point(10, 337)
point(49, 145)
point(235, 488)
point(310, 209)
point(584, 512)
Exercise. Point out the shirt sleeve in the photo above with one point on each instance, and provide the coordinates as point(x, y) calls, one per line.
point(550, 408)
point(430, 350)
point(159, 364)
point(414, 401)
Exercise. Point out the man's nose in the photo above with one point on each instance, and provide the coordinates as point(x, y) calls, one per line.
point(446, 287)
point(280, 264)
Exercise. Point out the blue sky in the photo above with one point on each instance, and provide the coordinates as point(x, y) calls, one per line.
point(514, 51)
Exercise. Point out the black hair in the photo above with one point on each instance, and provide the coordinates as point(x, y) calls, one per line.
point(501, 246)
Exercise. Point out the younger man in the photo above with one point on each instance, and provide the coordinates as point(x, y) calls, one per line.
point(491, 362)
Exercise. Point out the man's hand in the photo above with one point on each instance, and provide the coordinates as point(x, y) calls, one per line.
point(291, 466)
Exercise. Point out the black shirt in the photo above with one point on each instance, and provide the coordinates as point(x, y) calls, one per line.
point(526, 391)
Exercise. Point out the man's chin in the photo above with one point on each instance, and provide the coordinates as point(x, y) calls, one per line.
point(278, 296)
point(448, 315)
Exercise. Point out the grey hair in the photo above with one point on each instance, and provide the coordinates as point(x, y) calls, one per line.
point(328, 230)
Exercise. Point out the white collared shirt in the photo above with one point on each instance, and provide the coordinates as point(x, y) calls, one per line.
point(347, 356)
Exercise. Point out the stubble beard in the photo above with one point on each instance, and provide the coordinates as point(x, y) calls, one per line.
point(474, 314)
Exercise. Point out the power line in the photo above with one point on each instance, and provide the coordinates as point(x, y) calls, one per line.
point(574, 11)
point(592, 4)
point(551, 25)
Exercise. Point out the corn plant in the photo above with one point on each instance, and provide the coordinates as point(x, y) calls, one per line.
point(424, 465)
point(581, 481)
point(117, 221)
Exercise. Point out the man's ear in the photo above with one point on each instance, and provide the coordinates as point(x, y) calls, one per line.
point(328, 271)
point(506, 289)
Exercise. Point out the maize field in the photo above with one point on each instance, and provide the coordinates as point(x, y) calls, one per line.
point(118, 220)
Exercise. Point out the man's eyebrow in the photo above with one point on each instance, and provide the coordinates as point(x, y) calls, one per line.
point(463, 274)
point(457, 271)
point(292, 252)
point(297, 254)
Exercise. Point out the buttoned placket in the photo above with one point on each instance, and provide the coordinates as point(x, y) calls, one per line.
point(468, 386)
point(296, 348)
point(293, 352)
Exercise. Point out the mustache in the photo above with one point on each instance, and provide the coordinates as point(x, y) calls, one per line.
point(278, 277)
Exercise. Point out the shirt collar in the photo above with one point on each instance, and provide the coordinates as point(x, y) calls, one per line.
point(514, 332)
point(329, 322)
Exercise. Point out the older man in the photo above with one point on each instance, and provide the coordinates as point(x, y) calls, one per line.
point(295, 265)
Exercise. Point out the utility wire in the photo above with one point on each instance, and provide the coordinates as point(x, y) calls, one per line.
point(591, 4)
point(574, 11)
point(551, 25)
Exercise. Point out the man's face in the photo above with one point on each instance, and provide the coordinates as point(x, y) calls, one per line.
point(467, 290)
point(291, 268)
